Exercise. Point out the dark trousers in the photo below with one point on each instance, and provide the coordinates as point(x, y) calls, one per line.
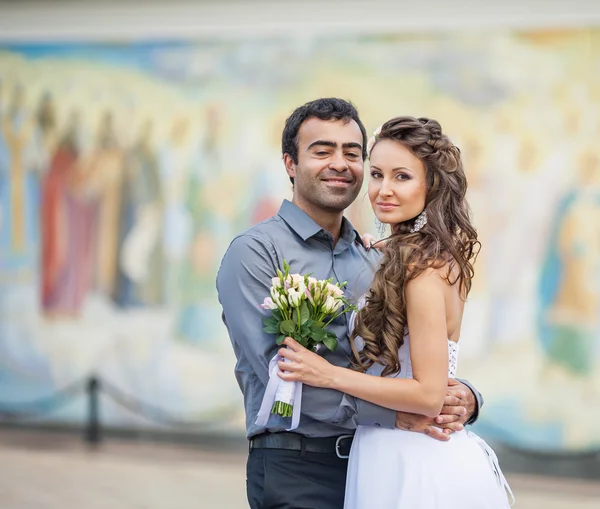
point(281, 479)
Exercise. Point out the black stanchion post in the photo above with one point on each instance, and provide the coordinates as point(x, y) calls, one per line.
point(93, 432)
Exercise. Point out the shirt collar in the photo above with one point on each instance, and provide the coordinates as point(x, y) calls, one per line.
point(305, 227)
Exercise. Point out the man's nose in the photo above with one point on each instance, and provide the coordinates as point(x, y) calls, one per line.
point(338, 162)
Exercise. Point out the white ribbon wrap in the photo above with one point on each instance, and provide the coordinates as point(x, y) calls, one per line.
point(493, 460)
point(280, 390)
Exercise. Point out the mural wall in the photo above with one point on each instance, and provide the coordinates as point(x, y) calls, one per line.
point(126, 169)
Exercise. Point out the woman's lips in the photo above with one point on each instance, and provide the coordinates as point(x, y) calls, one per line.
point(386, 206)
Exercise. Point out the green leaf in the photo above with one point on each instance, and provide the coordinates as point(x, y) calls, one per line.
point(280, 339)
point(319, 335)
point(271, 320)
point(271, 328)
point(277, 315)
point(317, 326)
point(304, 313)
point(330, 342)
point(287, 327)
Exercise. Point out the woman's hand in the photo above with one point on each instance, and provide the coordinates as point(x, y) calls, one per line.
point(368, 240)
point(305, 366)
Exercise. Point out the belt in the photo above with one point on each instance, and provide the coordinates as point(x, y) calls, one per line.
point(340, 445)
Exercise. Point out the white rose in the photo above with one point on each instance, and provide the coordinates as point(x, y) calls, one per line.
point(330, 305)
point(268, 304)
point(338, 304)
point(316, 292)
point(334, 290)
point(296, 279)
point(301, 287)
point(373, 139)
point(278, 298)
point(276, 282)
point(294, 297)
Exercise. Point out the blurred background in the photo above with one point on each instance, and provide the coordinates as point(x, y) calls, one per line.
point(137, 138)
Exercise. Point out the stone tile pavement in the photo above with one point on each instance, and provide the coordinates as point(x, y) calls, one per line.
point(56, 471)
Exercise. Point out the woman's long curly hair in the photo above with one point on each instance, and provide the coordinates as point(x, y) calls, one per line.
point(448, 239)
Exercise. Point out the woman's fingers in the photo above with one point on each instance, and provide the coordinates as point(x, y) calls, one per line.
point(288, 366)
point(288, 354)
point(368, 240)
point(288, 377)
point(292, 344)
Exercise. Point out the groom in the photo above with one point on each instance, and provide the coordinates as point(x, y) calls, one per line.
point(324, 148)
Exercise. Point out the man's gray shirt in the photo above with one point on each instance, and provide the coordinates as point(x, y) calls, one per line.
point(243, 282)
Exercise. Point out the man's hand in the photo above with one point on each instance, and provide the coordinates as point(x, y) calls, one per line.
point(422, 424)
point(459, 405)
point(458, 408)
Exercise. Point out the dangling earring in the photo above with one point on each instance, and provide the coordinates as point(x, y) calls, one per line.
point(419, 222)
point(381, 227)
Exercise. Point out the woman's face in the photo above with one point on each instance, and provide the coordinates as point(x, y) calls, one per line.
point(397, 185)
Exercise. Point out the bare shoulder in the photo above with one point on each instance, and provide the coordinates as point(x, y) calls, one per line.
point(431, 279)
point(440, 271)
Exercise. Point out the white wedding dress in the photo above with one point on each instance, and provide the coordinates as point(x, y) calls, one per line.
point(397, 469)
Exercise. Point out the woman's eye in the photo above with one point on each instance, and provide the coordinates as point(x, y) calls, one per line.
point(375, 174)
point(402, 176)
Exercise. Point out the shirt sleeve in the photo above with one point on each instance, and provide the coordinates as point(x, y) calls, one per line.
point(243, 282)
point(478, 399)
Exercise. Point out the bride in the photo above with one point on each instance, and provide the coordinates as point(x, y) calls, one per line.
point(405, 335)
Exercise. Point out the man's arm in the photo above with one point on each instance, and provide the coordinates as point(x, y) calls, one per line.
point(473, 401)
point(243, 282)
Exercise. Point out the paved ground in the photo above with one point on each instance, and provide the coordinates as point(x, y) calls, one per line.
point(53, 471)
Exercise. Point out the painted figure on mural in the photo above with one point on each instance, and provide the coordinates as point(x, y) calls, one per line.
point(139, 277)
point(174, 163)
point(105, 168)
point(264, 199)
point(195, 286)
point(38, 155)
point(3, 173)
point(69, 216)
point(44, 137)
point(19, 187)
point(570, 281)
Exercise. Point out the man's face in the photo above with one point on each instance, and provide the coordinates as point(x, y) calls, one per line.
point(329, 173)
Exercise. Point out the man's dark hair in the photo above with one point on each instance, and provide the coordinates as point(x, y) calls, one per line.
point(329, 108)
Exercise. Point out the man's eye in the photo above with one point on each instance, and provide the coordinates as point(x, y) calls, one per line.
point(352, 155)
point(322, 153)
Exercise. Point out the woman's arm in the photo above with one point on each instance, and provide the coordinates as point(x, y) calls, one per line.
point(424, 394)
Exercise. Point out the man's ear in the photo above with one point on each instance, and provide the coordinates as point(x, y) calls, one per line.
point(290, 166)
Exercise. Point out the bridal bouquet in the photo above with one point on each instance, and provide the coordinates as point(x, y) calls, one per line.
point(301, 307)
